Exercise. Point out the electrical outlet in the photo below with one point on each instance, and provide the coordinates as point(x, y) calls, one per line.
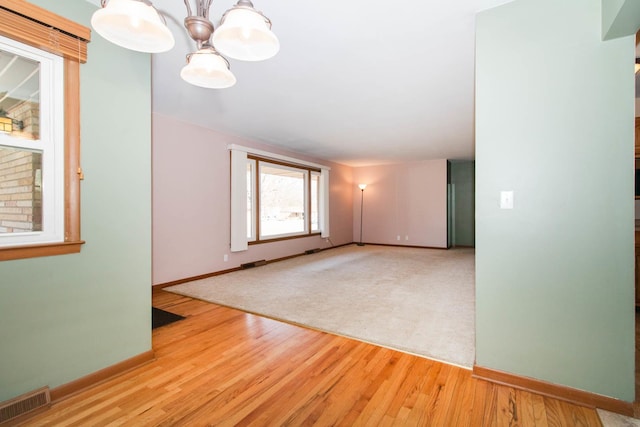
point(398, 238)
point(406, 237)
point(225, 258)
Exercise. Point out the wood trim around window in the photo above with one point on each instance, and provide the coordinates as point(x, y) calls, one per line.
point(309, 170)
point(35, 251)
point(44, 30)
point(278, 239)
point(73, 171)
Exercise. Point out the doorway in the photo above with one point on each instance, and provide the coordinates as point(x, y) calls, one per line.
point(461, 227)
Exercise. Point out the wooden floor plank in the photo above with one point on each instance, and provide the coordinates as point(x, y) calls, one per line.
point(553, 409)
point(490, 416)
point(507, 409)
point(436, 401)
point(578, 416)
point(480, 391)
point(464, 400)
point(539, 411)
point(526, 410)
point(220, 366)
point(450, 393)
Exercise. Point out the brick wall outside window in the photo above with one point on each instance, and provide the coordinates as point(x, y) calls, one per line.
point(20, 191)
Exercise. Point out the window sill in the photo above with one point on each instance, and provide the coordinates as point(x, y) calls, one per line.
point(33, 251)
point(278, 239)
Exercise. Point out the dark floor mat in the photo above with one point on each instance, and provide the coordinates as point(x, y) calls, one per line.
point(161, 318)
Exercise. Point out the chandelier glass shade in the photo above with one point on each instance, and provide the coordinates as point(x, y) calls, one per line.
point(206, 68)
point(244, 34)
point(134, 25)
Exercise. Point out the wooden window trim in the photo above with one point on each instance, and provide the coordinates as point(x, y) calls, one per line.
point(278, 239)
point(42, 29)
point(308, 169)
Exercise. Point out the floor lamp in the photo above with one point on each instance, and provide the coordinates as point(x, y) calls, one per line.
point(362, 187)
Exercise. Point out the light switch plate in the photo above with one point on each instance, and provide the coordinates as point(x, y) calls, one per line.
point(506, 200)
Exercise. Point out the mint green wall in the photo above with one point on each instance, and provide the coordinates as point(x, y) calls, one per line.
point(67, 316)
point(555, 123)
point(463, 176)
point(619, 18)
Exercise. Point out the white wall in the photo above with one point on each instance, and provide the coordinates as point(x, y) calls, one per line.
point(408, 200)
point(191, 204)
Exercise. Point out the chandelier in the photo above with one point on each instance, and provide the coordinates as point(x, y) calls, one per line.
point(244, 34)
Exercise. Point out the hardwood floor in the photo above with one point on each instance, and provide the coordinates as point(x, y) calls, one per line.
point(223, 367)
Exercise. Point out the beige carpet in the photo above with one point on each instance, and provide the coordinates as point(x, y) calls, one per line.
point(419, 301)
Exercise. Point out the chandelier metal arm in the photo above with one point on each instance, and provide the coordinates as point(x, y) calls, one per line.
point(199, 7)
point(207, 8)
point(188, 5)
point(198, 26)
point(202, 8)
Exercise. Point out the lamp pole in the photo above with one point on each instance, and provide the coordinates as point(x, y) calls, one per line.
point(362, 187)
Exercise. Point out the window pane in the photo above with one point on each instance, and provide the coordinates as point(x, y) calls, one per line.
point(20, 190)
point(315, 184)
point(19, 96)
point(281, 200)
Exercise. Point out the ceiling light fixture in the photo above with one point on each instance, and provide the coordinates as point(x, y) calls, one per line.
point(134, 25)
point(244, 34)
point(207, 68)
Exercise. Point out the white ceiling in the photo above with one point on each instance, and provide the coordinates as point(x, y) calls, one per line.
point(357, 82)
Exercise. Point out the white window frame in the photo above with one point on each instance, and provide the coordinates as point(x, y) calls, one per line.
point(51, 144)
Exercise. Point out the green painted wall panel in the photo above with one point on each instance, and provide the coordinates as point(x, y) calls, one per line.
point(463, 176)
point(67, 316)
point(554, 124)
point(619, 18)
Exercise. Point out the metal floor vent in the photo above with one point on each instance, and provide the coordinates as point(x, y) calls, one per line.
point(253, 264)
point(21, 405)
point(312, 251)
